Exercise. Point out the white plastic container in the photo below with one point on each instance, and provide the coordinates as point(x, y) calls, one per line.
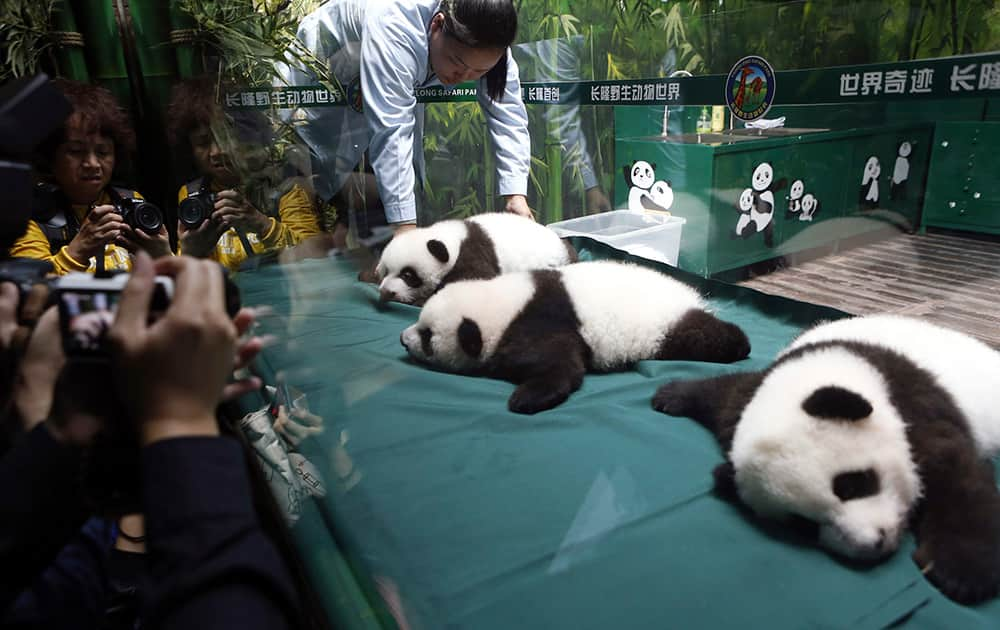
point(650, 235)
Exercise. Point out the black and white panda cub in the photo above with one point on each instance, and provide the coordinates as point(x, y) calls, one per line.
point(417, 263)
point(544, 329)
point(863, 427)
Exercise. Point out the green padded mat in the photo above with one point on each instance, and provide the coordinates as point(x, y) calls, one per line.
point(597, 514)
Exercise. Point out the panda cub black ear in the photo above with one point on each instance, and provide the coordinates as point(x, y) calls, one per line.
point(837, 403)
point(470, 338)
point(438, 250)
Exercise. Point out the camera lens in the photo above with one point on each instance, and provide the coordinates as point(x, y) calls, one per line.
point(193, 211)
point(146, 217)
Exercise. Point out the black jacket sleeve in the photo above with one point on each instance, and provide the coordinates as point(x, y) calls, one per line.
point(210, 564)
point(41, 510)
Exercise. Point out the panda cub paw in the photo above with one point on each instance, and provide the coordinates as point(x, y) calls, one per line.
point(535, 395)
point(673, 399)
point(961, 557)
point(967, 578)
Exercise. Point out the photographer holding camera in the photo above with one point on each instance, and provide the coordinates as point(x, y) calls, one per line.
point(216, 219)
point(81, 222)
point(209, 561)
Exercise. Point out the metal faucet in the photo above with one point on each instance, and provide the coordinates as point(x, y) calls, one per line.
point(666, 108)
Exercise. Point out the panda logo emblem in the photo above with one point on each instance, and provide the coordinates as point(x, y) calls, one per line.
point(901, 171)
point(869, 183)
point(646, 192)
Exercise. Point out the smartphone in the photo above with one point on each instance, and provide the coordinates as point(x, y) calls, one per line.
point(282, 398)
point(87, 308)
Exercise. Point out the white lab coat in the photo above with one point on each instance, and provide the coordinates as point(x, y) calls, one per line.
point(383, 44)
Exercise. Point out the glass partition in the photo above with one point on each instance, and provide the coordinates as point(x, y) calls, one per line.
point(414, 496)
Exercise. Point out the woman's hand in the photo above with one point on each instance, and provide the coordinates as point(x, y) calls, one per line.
point(100, 227)
point(233, 210)
point(156, 245)
point(247, 350)
point(167, 393)
point(39, 368)
point(518, 204)
point(597, 201)
point(200, 242)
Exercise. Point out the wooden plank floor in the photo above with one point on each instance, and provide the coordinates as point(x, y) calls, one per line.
point(945, 278)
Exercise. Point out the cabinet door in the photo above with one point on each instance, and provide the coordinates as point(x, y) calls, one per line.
point(733, 180)
point(882, 188)
point(980, 191)
point(906, 175)
point(962, 182)
point(816, 197)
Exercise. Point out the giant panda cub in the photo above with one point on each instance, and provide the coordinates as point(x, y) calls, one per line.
point(417, 263)
point(544, 329)
point(864, 427)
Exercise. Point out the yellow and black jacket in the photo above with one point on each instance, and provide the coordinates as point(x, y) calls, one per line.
point(296, 221)
point(48, 236)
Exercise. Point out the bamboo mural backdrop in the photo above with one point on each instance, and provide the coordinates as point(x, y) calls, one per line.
point(612, 39)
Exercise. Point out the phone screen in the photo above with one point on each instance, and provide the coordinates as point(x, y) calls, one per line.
point(87, 313)
point(85, 316)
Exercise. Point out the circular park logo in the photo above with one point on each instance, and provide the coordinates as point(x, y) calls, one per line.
point(750, 88)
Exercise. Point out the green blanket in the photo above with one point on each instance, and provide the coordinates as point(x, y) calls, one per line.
point(453, 512)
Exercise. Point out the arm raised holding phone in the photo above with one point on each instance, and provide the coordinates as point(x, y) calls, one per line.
point(209, 559)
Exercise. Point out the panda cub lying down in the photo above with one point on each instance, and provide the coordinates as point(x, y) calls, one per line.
point(417, 263)
point(544, 329)
point(863, 427)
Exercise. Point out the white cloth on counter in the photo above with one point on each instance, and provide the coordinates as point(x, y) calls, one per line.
point(766, 123)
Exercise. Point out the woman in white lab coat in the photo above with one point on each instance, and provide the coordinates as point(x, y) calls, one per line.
point(389, 49)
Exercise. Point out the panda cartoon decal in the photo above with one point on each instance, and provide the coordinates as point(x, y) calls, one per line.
point(869, 183)
point(662, 195)
point(810, 206)
point(646, 192)
point(745, 206)
point(764, 188)
point(795, 197)
point(901, 171)
point(801, 205)
point(761, 204)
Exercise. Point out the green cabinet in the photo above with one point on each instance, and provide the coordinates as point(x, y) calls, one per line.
point(963, 186)
point(709, 175)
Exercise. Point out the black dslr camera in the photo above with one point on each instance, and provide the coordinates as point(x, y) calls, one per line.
point(138, 214)
point(24, 273)
point(197, 207)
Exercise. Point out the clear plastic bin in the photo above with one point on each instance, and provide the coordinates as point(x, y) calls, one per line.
point(653, 236)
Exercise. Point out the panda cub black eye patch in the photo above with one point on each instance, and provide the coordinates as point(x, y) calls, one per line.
point(410, 277)
point(425, 341)
point(856, 484)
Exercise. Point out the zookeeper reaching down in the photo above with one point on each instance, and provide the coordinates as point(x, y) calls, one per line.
point(382, 52)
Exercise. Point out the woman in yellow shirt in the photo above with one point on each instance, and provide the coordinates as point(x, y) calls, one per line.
point(82, 222)
point(236, 224)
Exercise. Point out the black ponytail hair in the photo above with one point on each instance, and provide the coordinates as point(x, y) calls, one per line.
point(483, 24)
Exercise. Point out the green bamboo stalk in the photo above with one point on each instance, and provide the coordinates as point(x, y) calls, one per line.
point(69, 43)
point(182, 30)
point(553, 151)
point(104, 47)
